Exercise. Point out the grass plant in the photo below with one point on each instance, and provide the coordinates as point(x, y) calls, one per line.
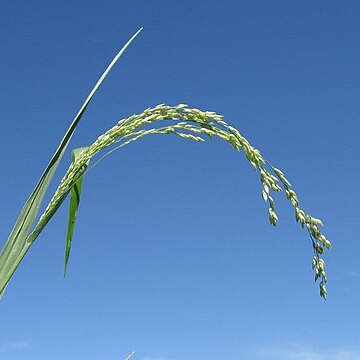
point(179, 120)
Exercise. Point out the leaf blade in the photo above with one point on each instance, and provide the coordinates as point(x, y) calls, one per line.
point(75, 195)
point(19, 234)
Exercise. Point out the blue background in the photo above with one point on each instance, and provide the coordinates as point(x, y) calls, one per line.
point(173, 255)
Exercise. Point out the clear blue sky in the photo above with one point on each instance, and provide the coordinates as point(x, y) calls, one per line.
point(173, 255)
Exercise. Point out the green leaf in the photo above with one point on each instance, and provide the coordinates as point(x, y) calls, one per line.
point(13, 251)
point(130, 356)
point(75, 194)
